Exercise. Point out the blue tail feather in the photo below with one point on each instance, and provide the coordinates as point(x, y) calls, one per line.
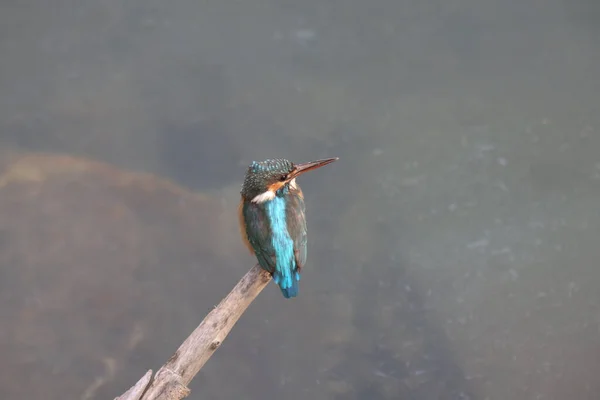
point(287, 284)
point(291, 291)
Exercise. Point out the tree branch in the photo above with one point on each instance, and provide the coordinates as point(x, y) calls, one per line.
point(171, 380)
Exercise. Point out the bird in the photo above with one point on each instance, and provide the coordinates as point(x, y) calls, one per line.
point(272, 218)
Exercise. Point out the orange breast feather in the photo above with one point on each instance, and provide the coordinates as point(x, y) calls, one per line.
point(243, 227)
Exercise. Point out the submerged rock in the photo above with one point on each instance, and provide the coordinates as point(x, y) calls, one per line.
point(97, 264)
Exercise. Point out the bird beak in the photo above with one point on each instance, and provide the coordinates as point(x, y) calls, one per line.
point(299, 169)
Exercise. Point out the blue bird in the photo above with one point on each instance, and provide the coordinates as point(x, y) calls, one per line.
point(273, 221)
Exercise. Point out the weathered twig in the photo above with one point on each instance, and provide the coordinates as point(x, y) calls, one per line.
point(171, 380)
point(136, 391)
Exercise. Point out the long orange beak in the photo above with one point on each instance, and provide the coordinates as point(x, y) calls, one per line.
point(299, 169)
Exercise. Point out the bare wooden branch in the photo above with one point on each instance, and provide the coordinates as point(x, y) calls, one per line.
point(136, 391)
point(171, 380)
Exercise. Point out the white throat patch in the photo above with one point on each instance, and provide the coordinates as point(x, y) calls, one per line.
point(270, 195)
point(266, 196)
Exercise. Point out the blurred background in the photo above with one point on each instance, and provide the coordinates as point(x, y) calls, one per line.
point(453, 249)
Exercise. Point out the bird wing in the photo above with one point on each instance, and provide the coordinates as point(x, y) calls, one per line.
point(296, 224)
point(258, 234)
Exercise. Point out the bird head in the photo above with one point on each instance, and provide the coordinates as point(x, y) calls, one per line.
point(266, 179)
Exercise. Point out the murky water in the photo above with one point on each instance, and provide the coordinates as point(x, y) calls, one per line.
point(452, 250)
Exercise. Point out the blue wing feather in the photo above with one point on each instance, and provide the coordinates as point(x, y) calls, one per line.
point(258, 234)
point(297, 227)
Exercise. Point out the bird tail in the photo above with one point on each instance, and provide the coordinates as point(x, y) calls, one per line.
point(291, 291)
point(289, 287)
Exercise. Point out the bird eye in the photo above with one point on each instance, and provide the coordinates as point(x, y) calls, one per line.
point(282, 178)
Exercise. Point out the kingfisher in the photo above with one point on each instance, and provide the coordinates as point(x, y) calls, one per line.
point(272, 218)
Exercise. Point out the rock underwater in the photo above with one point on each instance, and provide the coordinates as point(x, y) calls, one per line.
point(100, 269)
